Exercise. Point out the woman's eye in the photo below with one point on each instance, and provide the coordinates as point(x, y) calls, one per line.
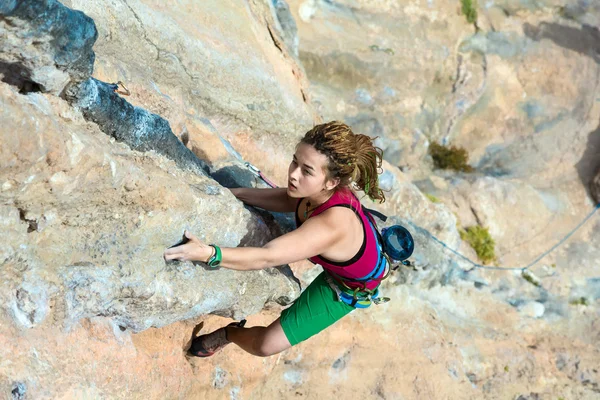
point(306, 172)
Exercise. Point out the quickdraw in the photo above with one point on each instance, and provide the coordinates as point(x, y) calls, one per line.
point(259, 174)
point(120, 88)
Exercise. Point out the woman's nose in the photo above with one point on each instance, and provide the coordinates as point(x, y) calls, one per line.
point(294, 173)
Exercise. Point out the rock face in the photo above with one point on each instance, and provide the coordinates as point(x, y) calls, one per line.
point(135, 126)
point(595, 188)
point(94, 186)
point(45, 45)
point(88, 220)
point(210, 61)
point(527, 125)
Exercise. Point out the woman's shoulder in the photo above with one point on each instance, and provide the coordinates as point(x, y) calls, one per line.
point(342, 203)
point(346, 197)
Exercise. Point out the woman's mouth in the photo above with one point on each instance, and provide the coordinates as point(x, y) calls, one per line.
point(291, 186)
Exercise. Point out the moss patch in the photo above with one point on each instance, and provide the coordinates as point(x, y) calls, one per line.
point(453, 157)
point(530, 278)
point(480, 240)
point(582, 301)
point(469, 10)
point(432, 198)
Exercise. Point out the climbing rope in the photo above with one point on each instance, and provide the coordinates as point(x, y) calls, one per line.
point(259, 174)
point(531, 264)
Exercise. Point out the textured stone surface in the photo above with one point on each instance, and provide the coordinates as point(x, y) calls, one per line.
point(388, 79)
point(85, 219)
point(207, 61)
point(595, 188)
point(88, 220)
point(437, 343)
point(46, 44)
point(134, 126)
point(492, 92)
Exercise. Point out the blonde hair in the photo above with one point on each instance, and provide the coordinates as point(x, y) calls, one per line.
point(353, 159)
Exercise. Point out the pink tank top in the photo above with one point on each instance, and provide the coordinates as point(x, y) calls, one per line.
point(365, 260)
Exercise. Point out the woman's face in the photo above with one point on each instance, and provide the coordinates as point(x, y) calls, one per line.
point(306, 174)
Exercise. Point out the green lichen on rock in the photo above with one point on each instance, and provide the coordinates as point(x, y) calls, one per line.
point(432, 198)
point(469, 10)
point(529, 277)
point(455, 158)
point(582, 301)
point(480, 240)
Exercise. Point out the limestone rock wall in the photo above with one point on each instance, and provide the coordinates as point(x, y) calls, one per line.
point(94, 185)
point(596, 188)
point(45, 44)
point(411, 74)
point(204, 64)
point(87, 221)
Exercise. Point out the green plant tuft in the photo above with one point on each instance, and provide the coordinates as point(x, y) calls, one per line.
point(530, 278)
point(582, 301)
point(469, 10)
point(480, 240)
point(432, 198)
point(453, 157)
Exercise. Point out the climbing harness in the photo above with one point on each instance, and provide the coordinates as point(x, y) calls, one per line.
point(394, 245)
point(120, 88)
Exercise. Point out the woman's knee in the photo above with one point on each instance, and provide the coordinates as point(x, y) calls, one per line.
point(263, 347)
point(270, 341)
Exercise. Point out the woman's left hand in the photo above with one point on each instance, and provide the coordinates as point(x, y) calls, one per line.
point(194, 250)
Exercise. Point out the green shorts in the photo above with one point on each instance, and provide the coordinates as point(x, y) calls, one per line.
point(315, 309)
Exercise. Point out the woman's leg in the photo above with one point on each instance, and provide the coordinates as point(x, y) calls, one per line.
point(260, 340)
point(316, 309)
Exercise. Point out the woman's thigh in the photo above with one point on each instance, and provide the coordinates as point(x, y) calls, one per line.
point(316, 309)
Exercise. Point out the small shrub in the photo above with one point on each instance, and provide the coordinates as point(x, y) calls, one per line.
point(582, 301)
point(531, 278)
point(480, 240)
point(453, 157)
point(432, 198)
point(469, 10)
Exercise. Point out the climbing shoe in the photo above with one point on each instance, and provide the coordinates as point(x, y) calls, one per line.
point(209, 344)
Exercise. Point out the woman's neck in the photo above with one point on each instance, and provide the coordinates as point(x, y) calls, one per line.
point(319, 199)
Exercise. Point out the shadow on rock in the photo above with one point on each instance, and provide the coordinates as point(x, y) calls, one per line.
point(16, 74)
point(589, 165)
point(275, 225)
point(234, 176)
point(585, 41)
point(138, 128)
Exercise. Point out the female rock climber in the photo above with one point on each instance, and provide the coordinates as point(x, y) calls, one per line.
point(332, 230)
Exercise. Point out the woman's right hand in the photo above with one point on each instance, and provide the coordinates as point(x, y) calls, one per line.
point(235, 192)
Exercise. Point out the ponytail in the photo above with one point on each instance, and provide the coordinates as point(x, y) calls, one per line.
point(353, 159)
point(368, 166)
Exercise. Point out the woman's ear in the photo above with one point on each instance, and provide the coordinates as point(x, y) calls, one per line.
point(332, 183)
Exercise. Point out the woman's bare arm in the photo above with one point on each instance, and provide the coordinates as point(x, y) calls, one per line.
point(313, 237)
point(275, 199)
